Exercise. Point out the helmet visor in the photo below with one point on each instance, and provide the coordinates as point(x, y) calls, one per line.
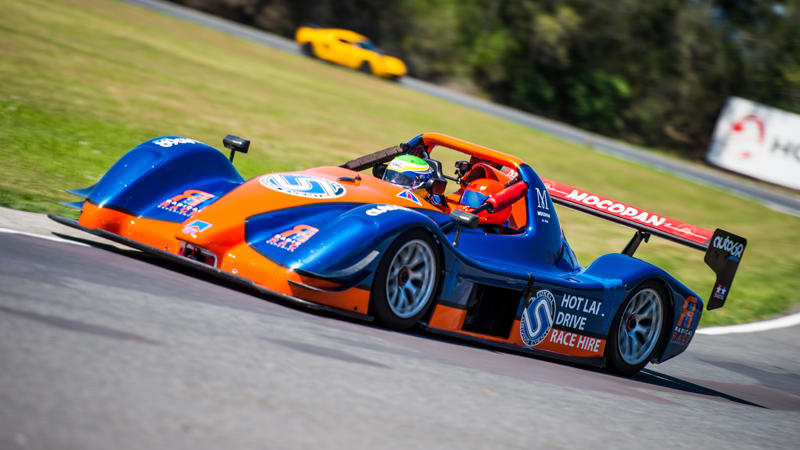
point(399, 178)
point(410, 180)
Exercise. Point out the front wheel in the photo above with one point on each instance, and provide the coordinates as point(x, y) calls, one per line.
point(638, 329)
point(406, 281)
point(308, 50)
point(365, 67)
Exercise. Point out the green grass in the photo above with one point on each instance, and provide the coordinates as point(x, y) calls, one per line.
point(81, 82)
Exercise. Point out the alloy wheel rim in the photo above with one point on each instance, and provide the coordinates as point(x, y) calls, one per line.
point(640, 326)
point(410, 278)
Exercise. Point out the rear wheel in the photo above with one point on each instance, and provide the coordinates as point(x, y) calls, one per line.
point(406, 281)
point(638, 329)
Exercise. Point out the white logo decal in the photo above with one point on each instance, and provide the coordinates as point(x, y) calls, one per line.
point(540, 310)
point(732, 247)
point(541, 199)
point(303, 186)
point(380, 209)
point(169, 142)
point(616, 208)
point(543, 207)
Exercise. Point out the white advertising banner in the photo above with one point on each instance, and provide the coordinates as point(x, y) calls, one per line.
point(759, 141)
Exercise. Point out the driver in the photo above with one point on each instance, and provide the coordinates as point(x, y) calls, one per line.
point(408, 171)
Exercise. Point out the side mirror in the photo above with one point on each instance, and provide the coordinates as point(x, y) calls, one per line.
point(465, 218)
point(378, 171)
point(235, 144)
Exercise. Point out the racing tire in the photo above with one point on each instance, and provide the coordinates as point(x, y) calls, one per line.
point(308, 50)
point(638, 329)
point(365, 67)
point(407, 280)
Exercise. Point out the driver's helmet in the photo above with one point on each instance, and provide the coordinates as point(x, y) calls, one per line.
point(476, 193)
point(408, 171)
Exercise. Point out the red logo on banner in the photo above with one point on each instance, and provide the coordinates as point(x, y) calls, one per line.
point(746, 125)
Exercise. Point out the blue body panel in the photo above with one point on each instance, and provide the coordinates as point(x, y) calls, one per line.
point(162, 169)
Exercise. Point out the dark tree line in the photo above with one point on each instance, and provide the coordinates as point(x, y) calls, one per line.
point(655, 72)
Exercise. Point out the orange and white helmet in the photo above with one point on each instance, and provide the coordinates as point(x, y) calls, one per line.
point(476, 193)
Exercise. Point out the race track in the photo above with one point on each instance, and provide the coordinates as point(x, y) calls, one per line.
point(777, 199)
point(103, 347)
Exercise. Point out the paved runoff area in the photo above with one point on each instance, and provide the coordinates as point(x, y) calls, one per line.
point(103, 347)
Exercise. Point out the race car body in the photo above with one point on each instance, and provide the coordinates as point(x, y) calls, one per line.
point(348, 48)
point(337, 238)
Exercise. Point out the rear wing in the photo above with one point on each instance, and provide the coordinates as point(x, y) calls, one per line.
point(723, 250)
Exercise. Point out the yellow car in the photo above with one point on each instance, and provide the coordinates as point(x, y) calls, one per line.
point(350, 49)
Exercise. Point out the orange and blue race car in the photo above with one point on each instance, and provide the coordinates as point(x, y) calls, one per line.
point(479, 254)
point(348, 48)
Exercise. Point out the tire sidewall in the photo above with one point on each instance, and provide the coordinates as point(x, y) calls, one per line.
point(379, 304)
point(308, 50)
point(365, 67)
point(614, 360)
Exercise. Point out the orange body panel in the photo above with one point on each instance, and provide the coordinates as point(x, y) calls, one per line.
point(226, 236)
point(155, 233)
point(240, 260)
point(447, 318)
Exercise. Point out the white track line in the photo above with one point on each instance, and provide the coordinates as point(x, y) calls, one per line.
point(40, 236)
point(781, 322)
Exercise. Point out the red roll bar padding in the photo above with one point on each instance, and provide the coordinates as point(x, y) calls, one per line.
point(508, 196)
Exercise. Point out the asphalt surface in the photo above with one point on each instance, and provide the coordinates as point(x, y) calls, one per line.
point(101, 346)
point(707, 176)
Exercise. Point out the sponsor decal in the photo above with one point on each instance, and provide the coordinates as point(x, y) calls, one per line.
point(380, 209)
point(195, 227)
point(537, 318)
point(509, 171)
point(541, 200)
point(408, 195)
point(578, 309)
point(169, 142)
point(684, 328)
point(616, 208)
point(719, 291)
point(293, 238)
point(303, 186)
point(575, 341)
point(542, 206)
point(734, 248)
point(686, 230)
point(188, 203)
point(627, 212)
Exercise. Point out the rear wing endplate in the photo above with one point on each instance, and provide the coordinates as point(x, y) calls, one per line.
point(723, 250)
